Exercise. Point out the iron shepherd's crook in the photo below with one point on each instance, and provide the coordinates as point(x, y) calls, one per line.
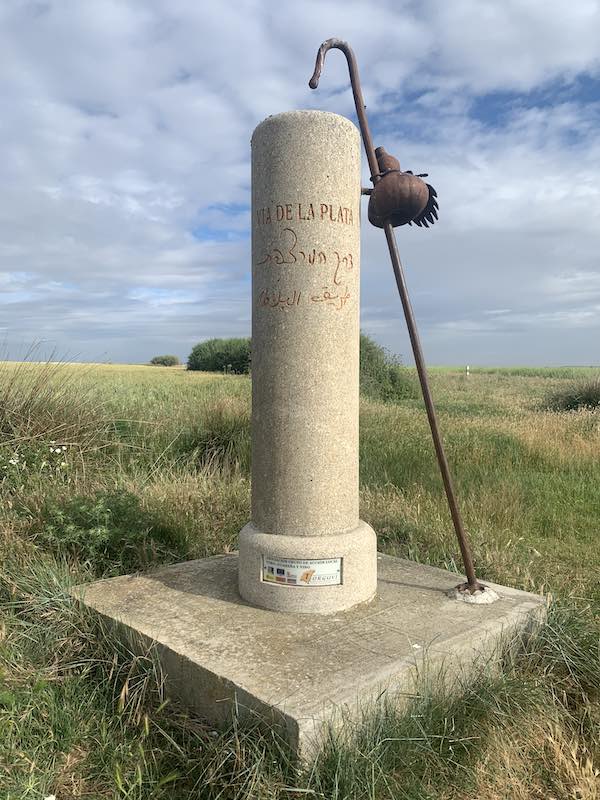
point(396, 206)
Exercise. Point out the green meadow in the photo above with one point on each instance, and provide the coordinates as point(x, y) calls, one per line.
point(110, 469)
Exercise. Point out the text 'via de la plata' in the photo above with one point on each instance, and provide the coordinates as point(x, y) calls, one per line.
point(305, 212)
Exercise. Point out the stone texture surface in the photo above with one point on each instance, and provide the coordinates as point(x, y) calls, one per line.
point(305, 351)
point(299, 670)
point(305, 355)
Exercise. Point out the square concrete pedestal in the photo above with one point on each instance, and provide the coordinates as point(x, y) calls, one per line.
point(299, 670)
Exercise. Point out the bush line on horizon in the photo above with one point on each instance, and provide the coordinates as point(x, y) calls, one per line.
point(165, 361)
point(382, 376)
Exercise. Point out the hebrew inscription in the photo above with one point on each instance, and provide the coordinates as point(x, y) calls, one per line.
point(290, 253)
point(292, 246)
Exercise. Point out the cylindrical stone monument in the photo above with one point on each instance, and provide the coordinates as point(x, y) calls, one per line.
point(305, 549)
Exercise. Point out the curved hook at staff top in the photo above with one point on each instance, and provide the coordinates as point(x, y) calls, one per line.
point(338, 44)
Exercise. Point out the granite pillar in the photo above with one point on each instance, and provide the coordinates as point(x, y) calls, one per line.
point(305, 549)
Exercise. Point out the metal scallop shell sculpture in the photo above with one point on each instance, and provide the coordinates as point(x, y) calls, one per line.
point(401, 197)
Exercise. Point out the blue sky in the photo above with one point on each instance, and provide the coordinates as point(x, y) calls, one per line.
point(125, 132)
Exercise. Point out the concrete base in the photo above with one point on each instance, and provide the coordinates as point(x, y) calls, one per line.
point(297, 670)
point(356, 551)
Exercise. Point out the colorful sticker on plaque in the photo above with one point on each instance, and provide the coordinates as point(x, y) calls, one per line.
point(302, 572)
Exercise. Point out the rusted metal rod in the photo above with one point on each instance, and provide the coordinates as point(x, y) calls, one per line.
point(359, 102)
point(472, 582)
point(415, 341)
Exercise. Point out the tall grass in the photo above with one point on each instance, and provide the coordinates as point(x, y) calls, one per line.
point(582, 394)
point(536, 372)
point(89, 716)
point(157, 469)
point(496, 736)
point(42, 403)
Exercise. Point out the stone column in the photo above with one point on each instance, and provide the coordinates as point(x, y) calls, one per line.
point(305, 549)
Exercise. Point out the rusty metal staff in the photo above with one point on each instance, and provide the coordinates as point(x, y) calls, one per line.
point(399, 198)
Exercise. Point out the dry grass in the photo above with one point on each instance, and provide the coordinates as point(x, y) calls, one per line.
point(208, 508)
point(47, 402)
point(536, 759)
point(81, 716)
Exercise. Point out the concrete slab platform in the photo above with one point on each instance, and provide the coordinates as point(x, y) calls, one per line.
point(299, 670)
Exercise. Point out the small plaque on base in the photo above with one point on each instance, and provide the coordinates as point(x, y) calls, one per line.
point(302, 572)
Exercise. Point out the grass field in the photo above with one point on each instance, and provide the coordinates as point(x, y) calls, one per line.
point(107, 469)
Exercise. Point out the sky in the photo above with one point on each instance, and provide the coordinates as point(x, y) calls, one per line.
point(125, 170)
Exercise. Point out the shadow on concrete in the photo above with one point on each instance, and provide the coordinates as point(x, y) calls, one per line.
point(422, 587)
point(201, 579)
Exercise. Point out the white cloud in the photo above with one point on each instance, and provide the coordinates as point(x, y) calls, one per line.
point(125, 130)
point(516, 44)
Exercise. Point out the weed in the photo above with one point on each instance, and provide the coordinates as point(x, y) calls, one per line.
point(582, 394)
point(109, 530)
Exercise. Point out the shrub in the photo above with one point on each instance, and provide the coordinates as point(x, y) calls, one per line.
point(217, 355)
point(107, 529)
point(583, 394)
point(382, 377)
point(222, 437)
point(165, 361)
